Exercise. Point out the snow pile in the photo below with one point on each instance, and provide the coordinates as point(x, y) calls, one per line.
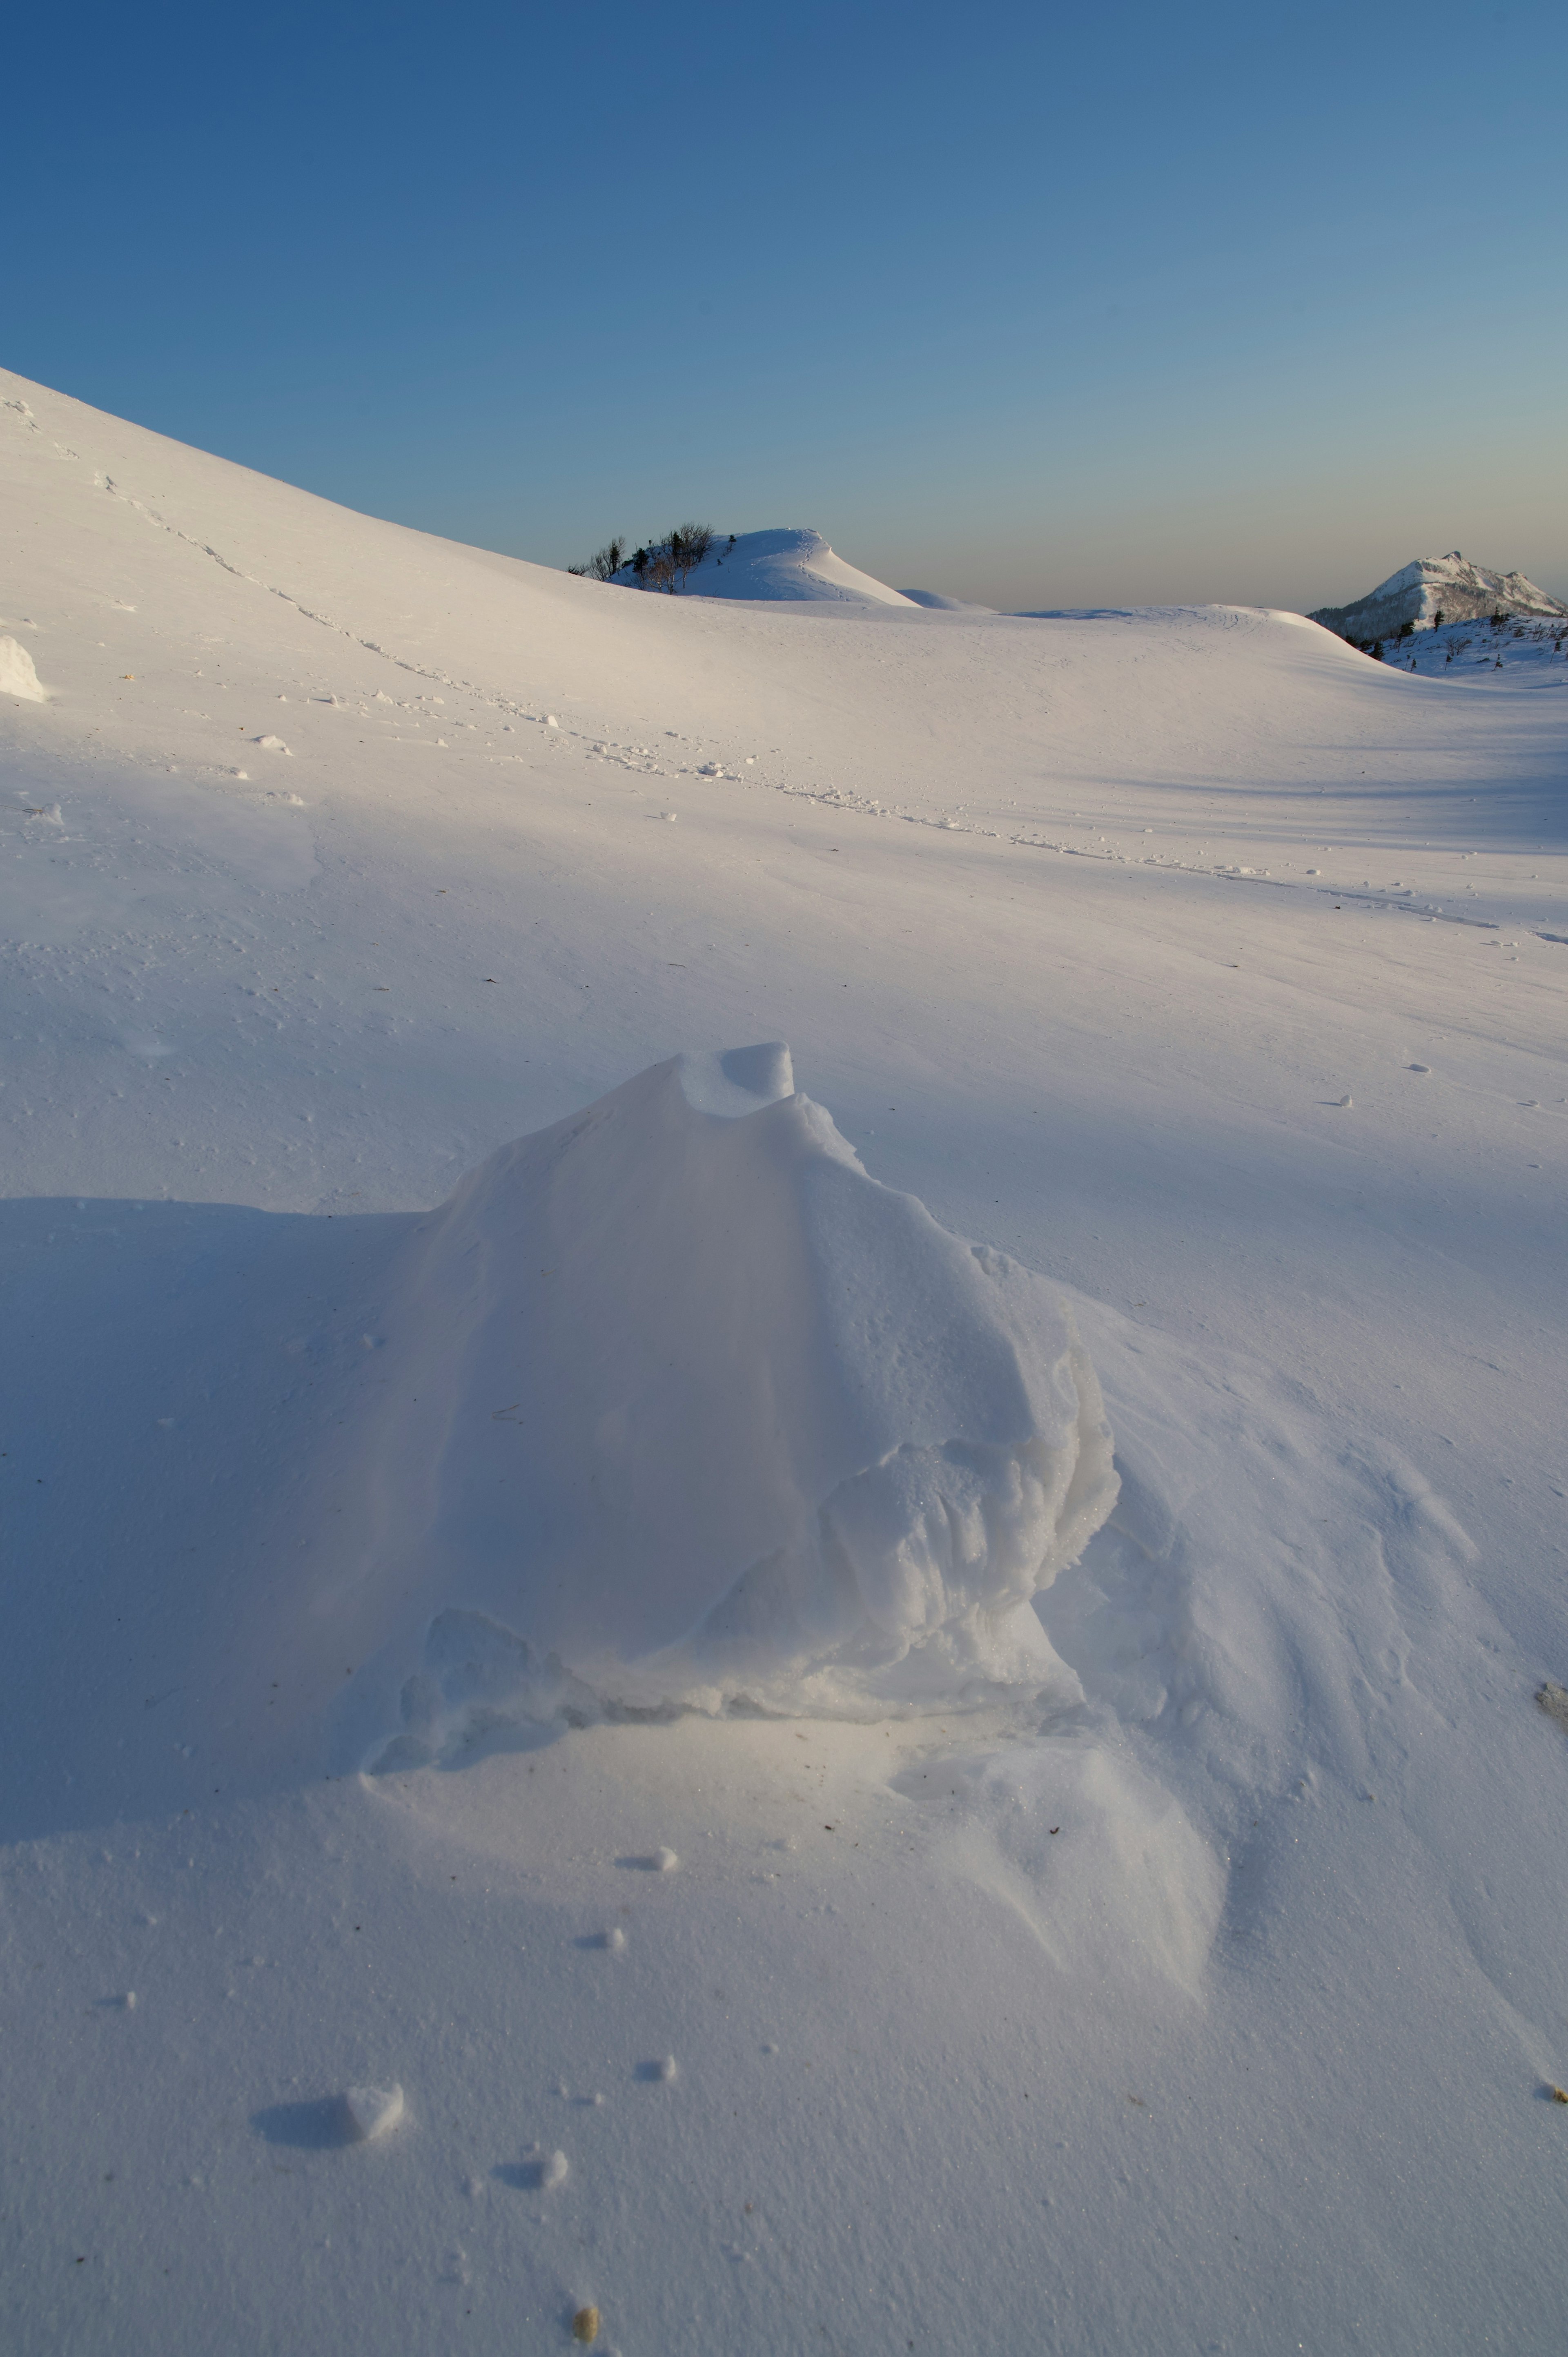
point(793, 564)
point(1450, 586)
point(17, 676)
point(697, 1407)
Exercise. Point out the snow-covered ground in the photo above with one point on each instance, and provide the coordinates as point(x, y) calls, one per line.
point(1196, 1984)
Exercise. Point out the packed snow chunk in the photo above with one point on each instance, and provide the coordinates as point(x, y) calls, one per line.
point(371, 2112)
point(17, 676)
point(696, 1412)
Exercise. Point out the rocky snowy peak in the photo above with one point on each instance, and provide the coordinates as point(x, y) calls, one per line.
point(792, 563)
point(1432, 585)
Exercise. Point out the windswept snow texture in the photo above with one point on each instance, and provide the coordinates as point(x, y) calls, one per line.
point(697, 1406)
point(795, 564)
point(1450, 586)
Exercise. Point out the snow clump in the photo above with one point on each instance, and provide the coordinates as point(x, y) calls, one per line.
point(17, 675)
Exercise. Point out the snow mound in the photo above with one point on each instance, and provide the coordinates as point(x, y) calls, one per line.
point(700, 1409)
point(938, 604)
point(793, 564)
point(371, 2112)
point(1450, 586)
point(17, 676)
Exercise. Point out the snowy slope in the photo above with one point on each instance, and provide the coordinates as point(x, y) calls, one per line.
point(1203, 1992)
point(1450, 586)
point(938, 603)
point(793, 564)
point(1527, 648)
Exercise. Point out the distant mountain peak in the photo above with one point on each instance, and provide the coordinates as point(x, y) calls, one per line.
point(1430, 587)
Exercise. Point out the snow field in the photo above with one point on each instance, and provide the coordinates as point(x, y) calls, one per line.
point(1205, 1991)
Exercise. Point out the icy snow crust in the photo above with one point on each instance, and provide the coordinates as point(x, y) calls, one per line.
point(704, 1412)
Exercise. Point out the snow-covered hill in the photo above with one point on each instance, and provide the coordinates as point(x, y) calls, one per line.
point(1448, 585)
point(795, 564)
point(412, 1299)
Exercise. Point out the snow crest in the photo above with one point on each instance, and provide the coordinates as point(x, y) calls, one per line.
point(698, 1413)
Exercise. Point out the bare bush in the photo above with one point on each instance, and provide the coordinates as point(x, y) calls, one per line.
point(689, 544)
point(664, 565)
point(603, 564)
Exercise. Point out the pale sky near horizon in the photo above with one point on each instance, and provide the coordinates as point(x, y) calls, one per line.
point(1036, 305)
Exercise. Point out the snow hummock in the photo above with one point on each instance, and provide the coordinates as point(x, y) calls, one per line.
point(698, 1410)
point(794, 562)
point(1450, 586)
point(936, 603)
point(17, 674)
point(371, 2112)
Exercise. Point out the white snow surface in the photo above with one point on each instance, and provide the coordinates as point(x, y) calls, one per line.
point(1202, 1988)
point(794, 562)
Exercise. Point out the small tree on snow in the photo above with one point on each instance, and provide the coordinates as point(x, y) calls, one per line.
point(604, 563)
point(689, 544)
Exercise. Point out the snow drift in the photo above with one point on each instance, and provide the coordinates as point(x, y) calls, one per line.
point(700, 1410)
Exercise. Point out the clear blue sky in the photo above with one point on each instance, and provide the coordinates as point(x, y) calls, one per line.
point(1035, 305)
